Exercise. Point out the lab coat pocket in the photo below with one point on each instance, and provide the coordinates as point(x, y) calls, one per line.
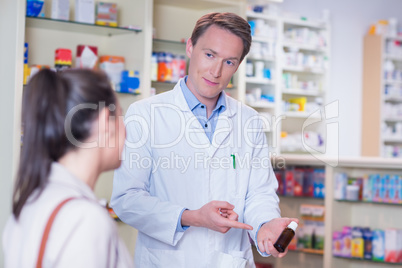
point(162, 258)
point(233, 260)
point(233, 177)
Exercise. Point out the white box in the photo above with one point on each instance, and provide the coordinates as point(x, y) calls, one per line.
point(61, 9)
point(85, 11)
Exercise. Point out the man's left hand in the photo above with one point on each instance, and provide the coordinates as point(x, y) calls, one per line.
point(269, 233)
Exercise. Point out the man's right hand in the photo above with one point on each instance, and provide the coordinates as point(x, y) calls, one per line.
point(215, 215)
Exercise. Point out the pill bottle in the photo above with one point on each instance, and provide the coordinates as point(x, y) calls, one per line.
point(286, 236)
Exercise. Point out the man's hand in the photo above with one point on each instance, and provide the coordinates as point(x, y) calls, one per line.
point(269, 233)
point(215, 215)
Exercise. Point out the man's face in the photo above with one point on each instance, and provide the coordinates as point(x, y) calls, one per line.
point(213, 61)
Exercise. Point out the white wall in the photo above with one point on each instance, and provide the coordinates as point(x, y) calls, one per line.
point(350, 21)
point(11, 54)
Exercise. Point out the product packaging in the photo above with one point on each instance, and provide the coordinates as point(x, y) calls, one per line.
point(130, 82)
point(154, 66)
point(106, 14)
point(357, 243)
point(378, 245)
point(289, 182)
point(376, 187)
point(337, 243)
point(62, 59)
point(26, 68)
point(368, 243)
point(85, 11)
point(391, 245)
point(279, 177)
point(368, 188)
point(319, 183)
point(113, 66)
point(162, 67)
point(298, 182)
point(347, 241)
point(308, 183)
point(87, 57)
point(35, 8)
point(60, 9)
point(341, 180)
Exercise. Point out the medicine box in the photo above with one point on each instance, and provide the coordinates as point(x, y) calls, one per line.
point(378, 245)
point(130, 82)
point(85, 11)
point(35, 8)
point(60, 9)
point(113, 66)
point(357, 244)
point(87, 57)
point(106, 14)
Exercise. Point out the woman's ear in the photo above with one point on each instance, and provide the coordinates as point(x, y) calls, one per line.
point(103, 127)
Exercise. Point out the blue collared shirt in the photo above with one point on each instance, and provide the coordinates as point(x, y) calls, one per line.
point(200, 110)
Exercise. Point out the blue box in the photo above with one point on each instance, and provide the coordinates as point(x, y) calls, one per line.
point(35, 8)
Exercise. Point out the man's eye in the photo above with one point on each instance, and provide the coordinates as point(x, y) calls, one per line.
point(229, 62)
point(209, 55)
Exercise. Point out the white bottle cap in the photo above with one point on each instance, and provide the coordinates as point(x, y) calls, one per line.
point(293, 225)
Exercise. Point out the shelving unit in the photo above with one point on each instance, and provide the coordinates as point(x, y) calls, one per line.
point(339, 213)
point(382, 64)
point(292, 77)
point(305, 74)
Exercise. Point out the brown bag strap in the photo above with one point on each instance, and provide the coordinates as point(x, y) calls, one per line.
point(47, 231)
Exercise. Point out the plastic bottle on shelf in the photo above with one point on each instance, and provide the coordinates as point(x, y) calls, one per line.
point(162, 68)
point(154, 67)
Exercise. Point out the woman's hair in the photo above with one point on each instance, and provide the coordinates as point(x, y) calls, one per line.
point(228, 21)
point(48, 98)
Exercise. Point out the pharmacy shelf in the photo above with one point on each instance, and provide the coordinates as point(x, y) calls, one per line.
point(199, 5)
point(392, 98)
point(261, 104)
point(369, 202)
point(265, 58)
point(261, 81)
point(301, 92)
point(303, 69)
point(393, 57)
point(263, 39)
point(263, 16)
point(392, 120)
point(392, 140)
point(77, 27)
point(393, 82)
point(304, 22)
point(365, 261)
point(307, 47)
point(301, 115)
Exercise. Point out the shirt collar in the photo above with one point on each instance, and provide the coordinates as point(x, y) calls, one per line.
point(193, 102)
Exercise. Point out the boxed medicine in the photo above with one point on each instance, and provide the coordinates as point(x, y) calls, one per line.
point(61, 9)
point(85, 11)
point(106, 14)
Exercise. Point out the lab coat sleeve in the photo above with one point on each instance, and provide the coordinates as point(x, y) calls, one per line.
point(262, 202)
point(131, 199)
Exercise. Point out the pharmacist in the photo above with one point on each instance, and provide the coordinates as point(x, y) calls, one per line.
point(196, 177)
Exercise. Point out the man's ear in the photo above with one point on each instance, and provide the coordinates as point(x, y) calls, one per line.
point(189, 48)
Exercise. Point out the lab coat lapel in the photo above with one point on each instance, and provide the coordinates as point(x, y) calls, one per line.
point(196, 132)
point(224, 128)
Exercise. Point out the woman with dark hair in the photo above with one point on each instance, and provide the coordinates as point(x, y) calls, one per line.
point(73, 131)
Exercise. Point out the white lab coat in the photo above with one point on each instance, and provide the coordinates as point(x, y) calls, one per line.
point(169, 164)
point(82, 235)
